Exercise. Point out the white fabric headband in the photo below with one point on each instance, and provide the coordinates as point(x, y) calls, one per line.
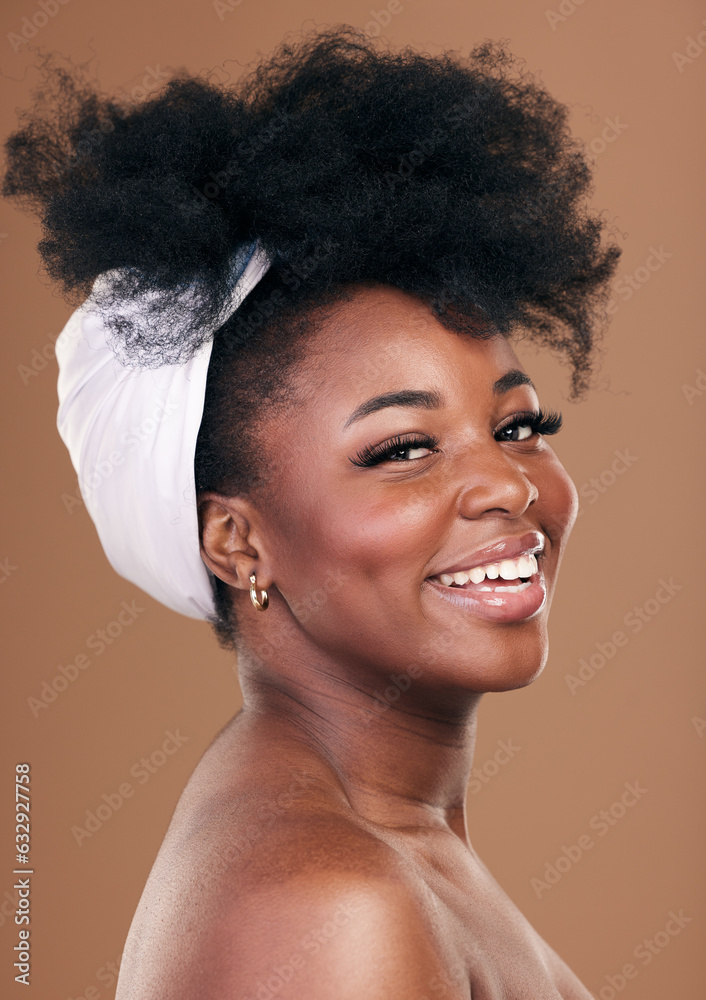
point(131, 434)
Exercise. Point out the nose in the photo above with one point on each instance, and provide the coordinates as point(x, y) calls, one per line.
point(496, 484)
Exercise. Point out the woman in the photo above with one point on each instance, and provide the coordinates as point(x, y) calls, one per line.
point(303, 293)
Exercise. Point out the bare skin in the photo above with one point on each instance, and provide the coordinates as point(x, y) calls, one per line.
point(321, 848)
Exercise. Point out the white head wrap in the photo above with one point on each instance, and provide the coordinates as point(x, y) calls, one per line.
point(131, 434)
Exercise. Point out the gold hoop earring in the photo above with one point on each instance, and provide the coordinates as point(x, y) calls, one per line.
point(261, 605)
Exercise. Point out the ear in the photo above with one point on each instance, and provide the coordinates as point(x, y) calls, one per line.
point(231, 545)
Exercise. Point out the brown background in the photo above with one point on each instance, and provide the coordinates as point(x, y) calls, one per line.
point(638, 719)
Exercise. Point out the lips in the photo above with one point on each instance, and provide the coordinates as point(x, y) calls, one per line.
point(530, 543)
point(502, 582)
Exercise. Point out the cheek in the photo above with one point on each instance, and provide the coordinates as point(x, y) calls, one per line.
point(370, 538)
point(558, 500)
point(350, 569)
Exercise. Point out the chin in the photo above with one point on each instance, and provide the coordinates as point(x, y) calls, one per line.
point(520, 678)
point(510, 657)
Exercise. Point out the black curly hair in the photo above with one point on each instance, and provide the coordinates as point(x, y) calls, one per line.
point(454, 179)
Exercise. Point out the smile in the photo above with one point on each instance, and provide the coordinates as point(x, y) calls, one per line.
point(520, 571)
point(509, 589)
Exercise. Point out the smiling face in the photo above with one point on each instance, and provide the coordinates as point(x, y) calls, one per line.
point(402, 463)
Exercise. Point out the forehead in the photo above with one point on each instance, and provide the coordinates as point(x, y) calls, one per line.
point(382, 339)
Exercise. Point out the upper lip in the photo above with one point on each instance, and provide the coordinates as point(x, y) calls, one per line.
point(502, 548)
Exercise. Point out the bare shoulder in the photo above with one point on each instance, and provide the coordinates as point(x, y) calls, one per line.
point(276, 890)
point(342, 935)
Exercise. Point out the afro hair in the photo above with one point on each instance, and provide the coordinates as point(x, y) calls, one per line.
point(455, 179)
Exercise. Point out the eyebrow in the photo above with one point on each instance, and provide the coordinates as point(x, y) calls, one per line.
point(425, 399)
point(430, 399)
point(510, 380)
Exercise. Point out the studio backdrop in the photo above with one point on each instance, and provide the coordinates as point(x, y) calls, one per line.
point(586, 799)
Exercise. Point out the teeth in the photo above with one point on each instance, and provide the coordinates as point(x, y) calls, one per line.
point(506, 569)
point(526, 566)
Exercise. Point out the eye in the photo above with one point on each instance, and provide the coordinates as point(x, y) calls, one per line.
point(402, 449)
point(408, 453)
point(517, 432)
point(524, 425)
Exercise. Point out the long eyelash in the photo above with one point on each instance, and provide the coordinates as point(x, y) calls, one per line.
point(373, 454)
point(541, 421)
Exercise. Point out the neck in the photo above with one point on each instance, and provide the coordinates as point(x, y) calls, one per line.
point(400, 752)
